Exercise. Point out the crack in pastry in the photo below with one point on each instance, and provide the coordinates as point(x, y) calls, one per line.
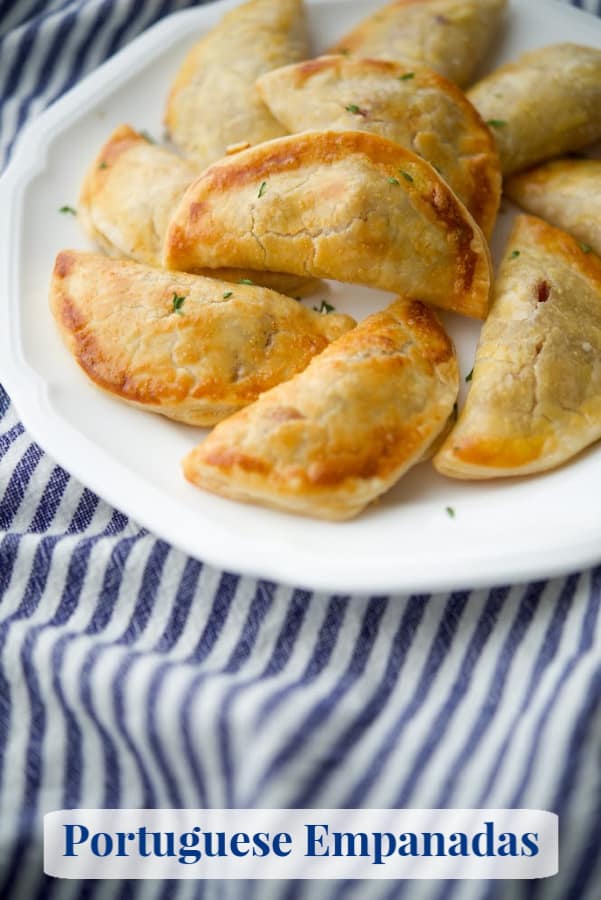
point(449, 36)
point(544, 104)
point(566, 193)
point(213, 105)
point(345, 205)
point(191, 348)
point(535, 395)
point(339, 435)
point(414, 107)
point(128, 196)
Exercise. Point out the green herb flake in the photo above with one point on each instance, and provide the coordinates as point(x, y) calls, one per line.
point(497, 123)
point(68, 210)
point(178, 303)
point(407, 76)
point(147, 137)
point(344, 51)
point(393, 181)
point(353, 108)
point(103, 165)
point(451, 512)
point(515, 254)
point(586, 248)
point(469, 377)
point(228, 294)
point(246, 281)
point(262, 189)
point(325, 308)
point(406, 176)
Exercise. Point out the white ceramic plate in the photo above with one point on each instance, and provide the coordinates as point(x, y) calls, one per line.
point(502, 532)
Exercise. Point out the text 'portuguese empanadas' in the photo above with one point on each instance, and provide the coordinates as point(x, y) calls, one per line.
point(449, 36)
point(129, 194)
point(213, 102)
point(535, 397)
point(566, 193)
point(416, 108)
point(339, 435)
point(545, 104)
point(193, 349)
point(346, 205)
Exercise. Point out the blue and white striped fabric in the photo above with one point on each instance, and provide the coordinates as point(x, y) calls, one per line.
point(133, 676)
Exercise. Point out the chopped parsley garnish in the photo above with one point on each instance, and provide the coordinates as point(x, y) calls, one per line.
point(147, 137)
point(344, 51)
point(469, 377)
point(325, 308)
point(228, 294)
point(586, 248)
point(450, 512)
point(262, 189)
point(393, 181)
point(406, 175)
point(515, 254)
point(497, 123)
point(245, 281)
point(353, 108)
point(103, 165)
point(178, 303)
point(407, 76)
point(69, 210)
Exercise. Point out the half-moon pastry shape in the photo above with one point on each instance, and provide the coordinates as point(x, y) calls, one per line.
point(346, 205)
point(128, 196)
point(535, 396)
point(213, 102)
point(545, 104)
point(414, 107)
point(193, 349)
point(566, 193)
point(339, 435)
point(449, 36)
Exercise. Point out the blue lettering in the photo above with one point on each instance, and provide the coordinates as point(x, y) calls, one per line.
point(316, 840)
point(70, 841)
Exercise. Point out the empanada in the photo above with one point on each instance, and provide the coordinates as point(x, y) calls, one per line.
point(214, 103)
point(566, 193)
point(193, 349)
point(336, 437)
point(449, 36)
point(346, 205)
point(535, 396)
point(414, 107)
point(128, 196)
point(545, 104)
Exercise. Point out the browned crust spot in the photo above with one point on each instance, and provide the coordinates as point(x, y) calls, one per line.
point(64, 264)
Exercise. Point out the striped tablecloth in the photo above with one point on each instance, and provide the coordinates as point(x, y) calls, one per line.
point(132, 676)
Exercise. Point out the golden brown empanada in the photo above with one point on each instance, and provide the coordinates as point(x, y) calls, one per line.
point(535, 397)
point(128, 196)
point(449, 36)
point(343, 432)
point(414, 107)
point(214, 103)
point(346, 205)
point(193, 349)
point(566, 193)
point(546, 103)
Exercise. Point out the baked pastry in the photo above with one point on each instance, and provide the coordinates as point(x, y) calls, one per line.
point(128, 196)
point(566, 193)
point(545, 104)
point(449, 36)
point(213, 102)
point(414, 107)
point(346, 205)
point(339, 435)
point(193, 349)
point(535, 396)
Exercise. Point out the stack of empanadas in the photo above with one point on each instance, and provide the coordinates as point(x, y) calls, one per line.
point(368, 166)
